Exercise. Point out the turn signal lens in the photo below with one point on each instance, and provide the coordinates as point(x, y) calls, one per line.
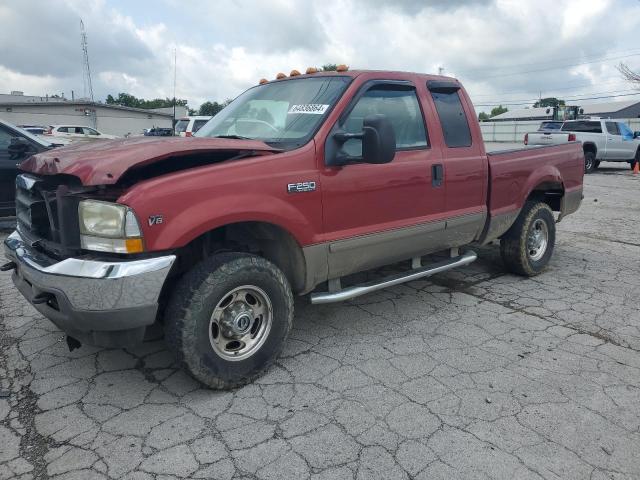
point(134, 245)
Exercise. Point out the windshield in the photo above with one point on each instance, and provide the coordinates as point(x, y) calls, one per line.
point(286, 112)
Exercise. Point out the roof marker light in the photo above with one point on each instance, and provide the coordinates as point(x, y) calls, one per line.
point(311, 70)
point(280, 76)
point(263, 81)
point(294, 73)
point(342, 68)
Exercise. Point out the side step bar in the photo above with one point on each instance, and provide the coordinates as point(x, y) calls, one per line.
point(357, 290)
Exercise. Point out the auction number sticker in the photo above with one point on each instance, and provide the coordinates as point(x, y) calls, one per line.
point(309, 108)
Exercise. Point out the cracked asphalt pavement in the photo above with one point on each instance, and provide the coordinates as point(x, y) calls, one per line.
point(474, 374)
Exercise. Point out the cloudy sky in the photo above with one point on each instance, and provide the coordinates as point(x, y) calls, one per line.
point(508, 51)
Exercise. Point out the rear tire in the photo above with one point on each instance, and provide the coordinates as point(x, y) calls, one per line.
point(589, 162)
point(228, 319)
point(528, 245)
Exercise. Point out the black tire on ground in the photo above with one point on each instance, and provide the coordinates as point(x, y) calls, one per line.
point(517, 246)
point(589, 162)
point(205, 289)
point(596, 165)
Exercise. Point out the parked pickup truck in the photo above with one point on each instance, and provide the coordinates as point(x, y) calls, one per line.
point(602, 140)
point(294, 186)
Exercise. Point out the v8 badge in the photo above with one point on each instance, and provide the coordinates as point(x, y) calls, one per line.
point(155, 220)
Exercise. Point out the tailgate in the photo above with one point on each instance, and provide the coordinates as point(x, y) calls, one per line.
point(547, 138)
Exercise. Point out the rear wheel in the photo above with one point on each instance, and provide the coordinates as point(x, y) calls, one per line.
point(589, 162)
point(527, 246)
point(228, 319)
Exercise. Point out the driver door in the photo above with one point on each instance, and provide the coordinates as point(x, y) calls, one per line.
point(377, 214)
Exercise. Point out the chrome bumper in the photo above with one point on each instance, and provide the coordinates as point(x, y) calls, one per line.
point(89, 295)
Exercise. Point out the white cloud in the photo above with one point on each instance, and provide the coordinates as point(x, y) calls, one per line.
point(226, 46)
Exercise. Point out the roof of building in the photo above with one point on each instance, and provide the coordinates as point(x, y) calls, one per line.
point(84, 103)
point(588, 109)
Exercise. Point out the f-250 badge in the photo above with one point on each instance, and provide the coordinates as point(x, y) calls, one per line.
point(155, 220)
point(301, 187)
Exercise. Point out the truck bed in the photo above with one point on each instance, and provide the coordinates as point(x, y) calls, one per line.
point(514, 173)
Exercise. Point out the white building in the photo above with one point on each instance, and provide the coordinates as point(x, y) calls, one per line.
point(112, 119)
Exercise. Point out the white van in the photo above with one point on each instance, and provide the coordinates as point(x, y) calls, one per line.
point(187, 126)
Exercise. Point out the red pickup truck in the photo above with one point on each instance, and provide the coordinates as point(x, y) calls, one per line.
point(297, 184)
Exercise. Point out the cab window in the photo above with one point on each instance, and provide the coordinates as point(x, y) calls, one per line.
point(453, 119)
point(612, 128)
point(400, 105)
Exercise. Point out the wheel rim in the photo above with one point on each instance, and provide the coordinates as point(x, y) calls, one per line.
point(538, 240)
point(240, 323)
point(588, 163)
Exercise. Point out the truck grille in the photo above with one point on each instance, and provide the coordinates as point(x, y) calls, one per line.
point(46, 214)
point(32, 215)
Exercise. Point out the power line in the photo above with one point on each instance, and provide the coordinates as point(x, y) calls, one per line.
point(597, 58)
point(551, 89)
point(615, 93)
point(536, 99)
point(557, 67)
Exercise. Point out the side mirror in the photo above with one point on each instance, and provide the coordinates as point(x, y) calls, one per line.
point(636, 134)
point(18, 148)
point(378, 143)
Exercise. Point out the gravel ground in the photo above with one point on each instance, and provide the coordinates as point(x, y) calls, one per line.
point(472, 374)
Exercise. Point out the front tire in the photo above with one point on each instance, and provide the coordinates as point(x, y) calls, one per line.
point(589, 162)
point(228, 319)
point(528, 245)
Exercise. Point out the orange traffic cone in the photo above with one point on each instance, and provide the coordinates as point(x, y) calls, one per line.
point(636, 167)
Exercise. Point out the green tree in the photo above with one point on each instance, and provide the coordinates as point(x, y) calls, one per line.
point(329, 67)
point(482, 117)
point(212, 108)
point(498, 110)
point(128, 100)
point(548, 102)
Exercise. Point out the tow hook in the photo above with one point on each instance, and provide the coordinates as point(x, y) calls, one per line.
point(72, 343)
point(42, 298)
point(8, 266)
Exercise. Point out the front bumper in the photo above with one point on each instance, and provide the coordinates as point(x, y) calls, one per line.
point(97, 302)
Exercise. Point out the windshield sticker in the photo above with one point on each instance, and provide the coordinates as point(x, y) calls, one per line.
point(310, 108)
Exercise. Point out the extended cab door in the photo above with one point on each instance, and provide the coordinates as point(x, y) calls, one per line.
point(377, 214)
point(464, 161)
point(615, 142)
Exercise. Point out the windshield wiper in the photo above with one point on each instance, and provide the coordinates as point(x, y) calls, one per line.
point(236, 137)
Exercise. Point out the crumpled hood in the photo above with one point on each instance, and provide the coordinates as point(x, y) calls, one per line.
point(104, 162)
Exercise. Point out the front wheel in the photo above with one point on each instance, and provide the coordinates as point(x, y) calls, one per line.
point(527, 246)
point(228, 319)
point(590, 162)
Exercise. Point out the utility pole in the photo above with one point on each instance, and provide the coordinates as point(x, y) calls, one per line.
point(175, 69)
point(86, 74)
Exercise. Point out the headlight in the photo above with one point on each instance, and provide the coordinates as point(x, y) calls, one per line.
point(109, 227)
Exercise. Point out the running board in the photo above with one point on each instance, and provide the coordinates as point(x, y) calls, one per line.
point(357, 290)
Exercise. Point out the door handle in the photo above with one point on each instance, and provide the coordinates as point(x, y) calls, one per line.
point(437, 175)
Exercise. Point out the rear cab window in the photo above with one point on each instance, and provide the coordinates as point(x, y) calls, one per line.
point(181, 125)
point(197, 125)
point(586, 126)
point(453, 119)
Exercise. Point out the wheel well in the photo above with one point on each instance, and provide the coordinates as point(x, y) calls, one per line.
point(589, 147)
point(550, 193)
point(265, 239)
